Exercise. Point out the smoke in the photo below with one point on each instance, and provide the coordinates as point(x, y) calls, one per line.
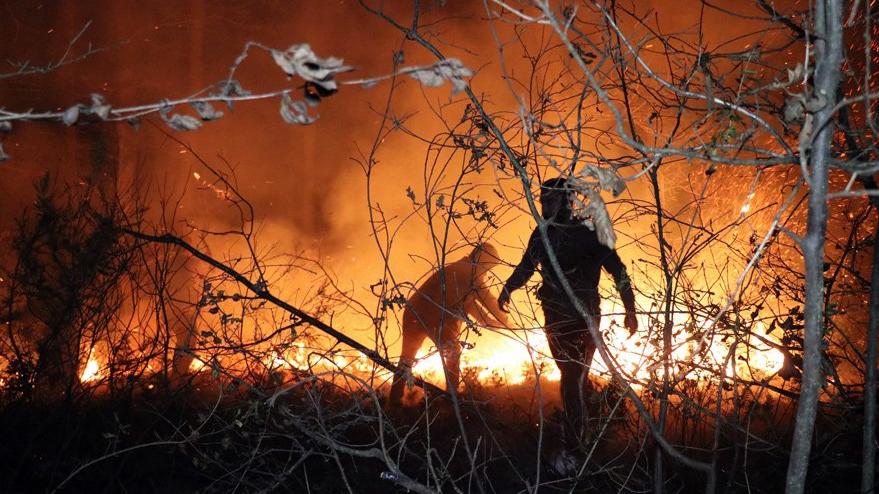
point(306, 184)
point(307, 192)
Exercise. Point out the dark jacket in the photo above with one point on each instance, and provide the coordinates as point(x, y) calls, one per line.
point(581, 257)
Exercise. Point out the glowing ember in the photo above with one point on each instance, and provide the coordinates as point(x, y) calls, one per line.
point(747, 205)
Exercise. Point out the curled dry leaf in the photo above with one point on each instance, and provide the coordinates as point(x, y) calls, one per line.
point(99, 106)
point(180, 122)
point(206, 110)
point(593, 212)
point(607, 179)
point(300, 60)
point(71, 115)
point(450, 69)
point(795, 74)
point(600, 220)
point(295, 112)
point(231, 88)
point(794, 108)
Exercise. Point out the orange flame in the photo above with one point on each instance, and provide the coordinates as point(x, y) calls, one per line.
point(92, 371)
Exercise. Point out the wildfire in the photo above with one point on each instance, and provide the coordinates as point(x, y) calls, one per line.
point(196, 365)
point(91, 372)
point(509, 361)
point(513, 362)
point(640, 360)
point(520, 356)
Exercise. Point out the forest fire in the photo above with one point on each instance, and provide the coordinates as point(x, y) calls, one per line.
point(247, 244)
point(516, 357)
point(91, 372)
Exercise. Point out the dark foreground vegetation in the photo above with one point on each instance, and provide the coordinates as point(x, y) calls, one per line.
point(318, 438)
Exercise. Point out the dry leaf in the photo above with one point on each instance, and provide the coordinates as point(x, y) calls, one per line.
point(295, 112)
point(450, 69)
point(206, 110)
point(300, 60)
point(600, 219)
point(71, 115)
point(607, 179)
point(99, 106)
point(593, 212)
point(180, 122)
point(231, 88)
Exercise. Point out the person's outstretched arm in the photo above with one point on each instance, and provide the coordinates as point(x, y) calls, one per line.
point(614, 265)
point(494, 313)
point(481, 311)
point(523, 272)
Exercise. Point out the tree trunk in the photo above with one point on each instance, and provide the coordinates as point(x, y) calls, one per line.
point(828, 54)
point(868, 469)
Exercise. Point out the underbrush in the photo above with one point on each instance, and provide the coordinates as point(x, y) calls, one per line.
point(312, 436)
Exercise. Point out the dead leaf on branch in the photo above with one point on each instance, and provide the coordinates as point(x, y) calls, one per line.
point(804, 144)
point(801, 108)
point(607, 179)
point(300, 60)
point(598, 219)
point(795, 74)
point(594, 212)
point(411, 194)
point(206, 110)
point(295, 112)
point(797, 105)
point(231, 88)
point(179, 122)
point(71, 115)
point(99, 106)
point(450, 69)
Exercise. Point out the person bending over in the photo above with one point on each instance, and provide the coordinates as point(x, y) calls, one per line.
point(439, 307)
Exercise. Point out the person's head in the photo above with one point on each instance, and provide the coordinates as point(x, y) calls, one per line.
point(484, 257)
point(555, 201)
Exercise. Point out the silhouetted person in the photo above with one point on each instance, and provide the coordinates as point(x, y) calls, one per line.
point(439, 307)
point(581, 257)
